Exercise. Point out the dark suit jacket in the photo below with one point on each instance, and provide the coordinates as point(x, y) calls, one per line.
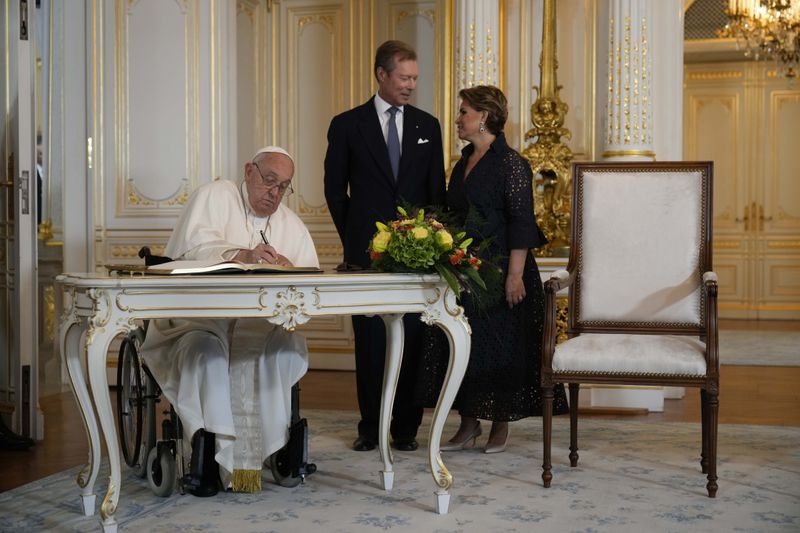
point(359, 186)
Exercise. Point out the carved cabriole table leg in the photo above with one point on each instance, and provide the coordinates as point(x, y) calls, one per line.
point(71, 333)
point(446, 314)
point(391, 373)
point(102, 330)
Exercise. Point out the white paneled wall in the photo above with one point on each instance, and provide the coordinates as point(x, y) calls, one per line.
point(181, 92)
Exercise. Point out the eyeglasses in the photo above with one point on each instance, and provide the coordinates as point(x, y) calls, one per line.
point(284, 189)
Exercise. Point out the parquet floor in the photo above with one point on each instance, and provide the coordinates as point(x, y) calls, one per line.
point(750, 395)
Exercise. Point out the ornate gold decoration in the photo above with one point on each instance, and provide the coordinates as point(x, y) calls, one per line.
point(46, 230)
point(49, 301)
point(549, 158)
point(133, 195)
point(101, 313)
point(445, 478)
point(429, 14)
point(248, 8)
point(181, 198)
point(326, 20)
point(108, 508)
point(562, 307)
point(82, 480)
point(290, 309)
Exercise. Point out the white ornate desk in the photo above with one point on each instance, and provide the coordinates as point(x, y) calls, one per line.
point(98, 308)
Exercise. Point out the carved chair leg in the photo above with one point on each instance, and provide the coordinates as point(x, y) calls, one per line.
point(574, 388)
point(712, 409)
point(704, 426)
point(547, 433)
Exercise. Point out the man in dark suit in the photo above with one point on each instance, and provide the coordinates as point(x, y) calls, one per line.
point(382, 154)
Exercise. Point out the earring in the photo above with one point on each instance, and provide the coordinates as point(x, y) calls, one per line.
point(481, 128)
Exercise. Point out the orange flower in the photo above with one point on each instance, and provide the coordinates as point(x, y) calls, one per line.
point(456, 257)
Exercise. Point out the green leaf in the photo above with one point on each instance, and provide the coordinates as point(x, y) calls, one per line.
point(449, 277)
point(474, 276)
point(466, 243)
point(401, 211)
point(381, 226)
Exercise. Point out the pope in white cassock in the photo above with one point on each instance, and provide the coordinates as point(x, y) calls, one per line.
point(232, 379)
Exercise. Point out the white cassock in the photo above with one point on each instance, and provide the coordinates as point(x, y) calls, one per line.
point(237, 386)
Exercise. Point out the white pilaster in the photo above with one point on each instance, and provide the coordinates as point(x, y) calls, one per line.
point(667, 87)
point(478, 38)
point(628, 131)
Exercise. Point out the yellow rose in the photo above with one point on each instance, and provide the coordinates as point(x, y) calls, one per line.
point(381, 240)
point(444, 241)
point(419, 233)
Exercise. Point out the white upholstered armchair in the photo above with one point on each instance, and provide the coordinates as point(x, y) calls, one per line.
point(642, 294)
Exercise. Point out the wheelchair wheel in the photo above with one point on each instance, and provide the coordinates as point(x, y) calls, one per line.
point(281, 469)
point(160, 472)
point(148, 438)
point(130, 405)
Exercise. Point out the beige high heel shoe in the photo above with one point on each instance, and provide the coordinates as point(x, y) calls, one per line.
point(497, 448)
point(456, 446)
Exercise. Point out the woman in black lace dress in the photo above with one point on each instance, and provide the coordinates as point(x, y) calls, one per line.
point(490, 194)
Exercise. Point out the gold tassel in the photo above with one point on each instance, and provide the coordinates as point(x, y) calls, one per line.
point(246, 480)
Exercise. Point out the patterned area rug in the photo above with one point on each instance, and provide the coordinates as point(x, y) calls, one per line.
point(633, 476)
point(759, 348)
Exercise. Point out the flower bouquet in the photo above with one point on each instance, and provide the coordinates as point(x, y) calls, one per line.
point(420, 243)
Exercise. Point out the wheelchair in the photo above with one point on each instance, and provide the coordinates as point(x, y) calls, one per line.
point(162, 461)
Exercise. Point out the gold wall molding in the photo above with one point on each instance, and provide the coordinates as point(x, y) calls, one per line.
point(784, 110)
point(329, 249)
point(625, 153)
point(319, 82)
point(327, 20)
point(404, 14)
point(248, 8)
point(306, 209)
point(788, 245)
point(714, 75)
point(131, 251)
point(727, 245)
point(130, 201)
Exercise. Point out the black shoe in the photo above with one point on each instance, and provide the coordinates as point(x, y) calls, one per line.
point(364, 444)
point(11, 441)
point(203, 476)
point(405, 445)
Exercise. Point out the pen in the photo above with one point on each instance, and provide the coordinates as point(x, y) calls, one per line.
point(264, 238)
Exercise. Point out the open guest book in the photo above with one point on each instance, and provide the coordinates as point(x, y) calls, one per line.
point(215, 267)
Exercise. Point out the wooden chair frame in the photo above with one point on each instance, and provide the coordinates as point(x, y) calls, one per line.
point(707, 331)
